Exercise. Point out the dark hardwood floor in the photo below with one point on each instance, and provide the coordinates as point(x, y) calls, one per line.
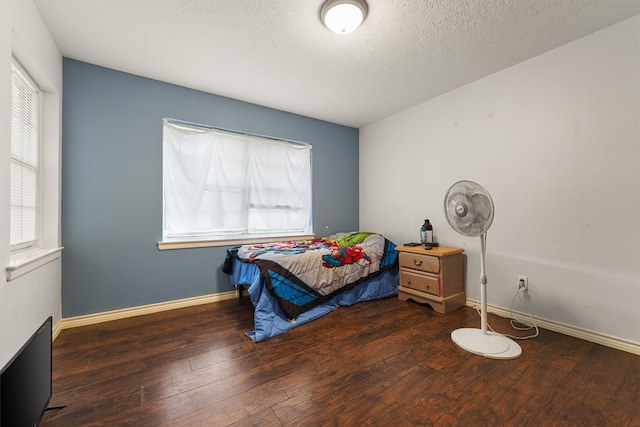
point(379, 363)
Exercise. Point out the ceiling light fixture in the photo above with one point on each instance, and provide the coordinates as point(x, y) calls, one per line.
point(343, 16)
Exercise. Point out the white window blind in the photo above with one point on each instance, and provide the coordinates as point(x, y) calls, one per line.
point(220, 185)
point(25, 154)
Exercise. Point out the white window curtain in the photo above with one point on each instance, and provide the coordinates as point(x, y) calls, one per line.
point(25, 156)
point(220, 184)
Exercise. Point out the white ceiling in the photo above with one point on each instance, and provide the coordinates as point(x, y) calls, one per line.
point(278, 54)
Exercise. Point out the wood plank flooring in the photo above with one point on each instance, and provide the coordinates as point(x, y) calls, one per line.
point(379, 363)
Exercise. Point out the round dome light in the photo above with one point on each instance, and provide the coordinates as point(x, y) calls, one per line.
point(343, 16)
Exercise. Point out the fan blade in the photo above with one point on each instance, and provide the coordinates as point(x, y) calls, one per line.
point(481, 204)
point(484, 210)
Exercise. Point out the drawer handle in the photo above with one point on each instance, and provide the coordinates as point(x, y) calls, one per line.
point(417, 263)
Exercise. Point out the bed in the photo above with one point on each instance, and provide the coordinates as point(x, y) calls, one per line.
point(291, 283)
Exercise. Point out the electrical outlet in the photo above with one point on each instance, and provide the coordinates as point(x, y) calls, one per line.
point(523, 283)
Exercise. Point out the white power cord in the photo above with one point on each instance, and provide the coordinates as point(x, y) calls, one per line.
point(516, 323)
point(524, 325)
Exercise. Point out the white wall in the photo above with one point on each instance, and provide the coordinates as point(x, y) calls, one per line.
point(556, 141)
point(28, 300)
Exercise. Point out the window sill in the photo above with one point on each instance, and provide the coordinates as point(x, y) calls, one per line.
point(187, 244)
point(23, 263)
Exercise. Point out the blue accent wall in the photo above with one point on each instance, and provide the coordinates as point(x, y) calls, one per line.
point(112, 186)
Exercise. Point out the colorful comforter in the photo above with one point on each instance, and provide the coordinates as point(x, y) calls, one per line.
point(303, 274)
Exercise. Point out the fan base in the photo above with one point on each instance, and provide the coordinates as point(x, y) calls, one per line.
point(489, 344)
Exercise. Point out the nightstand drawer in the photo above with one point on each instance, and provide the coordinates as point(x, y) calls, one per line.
point(430, 264)
point(420, 282)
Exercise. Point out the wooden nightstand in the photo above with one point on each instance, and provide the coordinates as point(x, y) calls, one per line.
point(433, 277)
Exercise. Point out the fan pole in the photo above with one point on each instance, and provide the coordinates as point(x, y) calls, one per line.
point(483, 284)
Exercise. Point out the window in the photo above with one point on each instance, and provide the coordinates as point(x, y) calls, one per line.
point(26, 106)
point(221, 185)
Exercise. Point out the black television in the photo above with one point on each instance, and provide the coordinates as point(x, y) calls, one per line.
point(25, 382)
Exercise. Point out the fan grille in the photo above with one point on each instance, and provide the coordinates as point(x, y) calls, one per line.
point(468, 208)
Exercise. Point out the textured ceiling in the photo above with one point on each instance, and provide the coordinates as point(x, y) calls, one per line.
point(277, 53)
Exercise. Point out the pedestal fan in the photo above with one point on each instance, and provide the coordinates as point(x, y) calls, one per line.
point(469, 210)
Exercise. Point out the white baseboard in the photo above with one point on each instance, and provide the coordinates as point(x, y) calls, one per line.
point(573, 331)
point(57, 328)
point(91, 319)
